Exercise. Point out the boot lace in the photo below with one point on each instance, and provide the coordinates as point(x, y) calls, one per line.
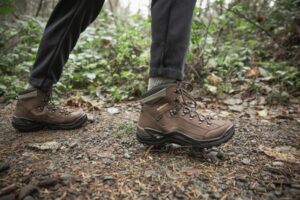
point(186, 102)
point(49, 104)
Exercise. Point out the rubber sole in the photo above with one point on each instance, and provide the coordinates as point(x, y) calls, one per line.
point(26, 125)
point(153, 137)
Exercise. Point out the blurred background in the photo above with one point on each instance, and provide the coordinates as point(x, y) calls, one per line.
point(238, 48)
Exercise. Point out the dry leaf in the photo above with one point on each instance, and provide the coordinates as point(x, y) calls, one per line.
point(83, 102)
point(214, 79)
point(262, 113)
point(253, 72)
point(284, 153)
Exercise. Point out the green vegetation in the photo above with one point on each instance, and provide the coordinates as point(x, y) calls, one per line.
point(240, 48)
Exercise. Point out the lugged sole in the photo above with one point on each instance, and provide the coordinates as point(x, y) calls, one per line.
point(153, 137)
point(27, 125)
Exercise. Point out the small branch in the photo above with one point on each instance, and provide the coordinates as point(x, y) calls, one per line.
point(39, 7)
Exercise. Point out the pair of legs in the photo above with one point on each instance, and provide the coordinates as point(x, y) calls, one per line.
point(166, 114)
point(171, 26)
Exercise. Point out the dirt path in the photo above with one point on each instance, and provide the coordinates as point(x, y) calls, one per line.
point(103, 160)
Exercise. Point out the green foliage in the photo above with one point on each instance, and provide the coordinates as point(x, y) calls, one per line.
point(18, 46)
point(230, 45)
point(6, 6)
point(250, 49)
point(109, 60)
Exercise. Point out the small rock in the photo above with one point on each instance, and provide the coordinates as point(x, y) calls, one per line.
point(27, 190)
point(149, 173)
point(113, 110)
point(295, 192)
point(216, 195)
point(278, 193)
point(127, 156)
point(278, 163)
point(72, 144)
point(8, 197)
point(246, 161)
point(213, 156)
point(66, 179)
point(29, 198)
point(91, 118)
point(108, 178)
point(51, 182)
point(232, 102)
point(236, 108)
point(53, 145)
point(4, 166)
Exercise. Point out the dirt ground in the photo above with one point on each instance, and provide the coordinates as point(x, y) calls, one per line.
point(103, 160)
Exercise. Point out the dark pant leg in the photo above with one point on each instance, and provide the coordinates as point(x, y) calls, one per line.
point(67, 21)
point(171, 28)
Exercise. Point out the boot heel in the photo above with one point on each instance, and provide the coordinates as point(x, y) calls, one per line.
point(149, 137)
point(26, 125)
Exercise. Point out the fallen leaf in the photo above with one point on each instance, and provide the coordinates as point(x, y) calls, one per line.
point(190, 171)
point(53, 145)
point(236, 108)
point(283, 153)
point(233, 102)
point(253, 72)
point(262, 113)
point(83, 101)
point(113, 110)
point(214, 79)
point(261, 100)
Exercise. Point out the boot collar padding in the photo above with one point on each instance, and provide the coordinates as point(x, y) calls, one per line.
point(157, 95)
point(28, 95)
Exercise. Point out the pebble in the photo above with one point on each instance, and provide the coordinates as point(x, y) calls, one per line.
point(278, 193)
point(29, 198)
point(127, 156)
point(149, 173)
point(4, 166)
point(27, 190)
point(246, 161)
point(113, 110)
point(108, 178)
point(67, 179)
point(213, 155)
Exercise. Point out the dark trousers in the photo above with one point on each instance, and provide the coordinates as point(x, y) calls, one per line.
point(171, 27)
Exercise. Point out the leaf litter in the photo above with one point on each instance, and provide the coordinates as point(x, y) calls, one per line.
point(103, 160)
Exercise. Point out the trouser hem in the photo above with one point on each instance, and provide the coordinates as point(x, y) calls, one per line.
point(167, 73)
point(45, 85)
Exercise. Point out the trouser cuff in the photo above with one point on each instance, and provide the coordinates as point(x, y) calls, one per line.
point(44, 85)
point(167, 73)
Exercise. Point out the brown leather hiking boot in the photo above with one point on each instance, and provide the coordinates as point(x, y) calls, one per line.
point(33, 112)
point(169, 116)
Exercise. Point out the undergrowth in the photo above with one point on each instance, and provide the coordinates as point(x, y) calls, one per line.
point(228, 55)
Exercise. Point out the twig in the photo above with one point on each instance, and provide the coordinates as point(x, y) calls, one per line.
point(39, 7)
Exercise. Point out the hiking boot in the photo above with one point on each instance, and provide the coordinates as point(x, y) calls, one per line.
point(169, 116)
point(33, 112)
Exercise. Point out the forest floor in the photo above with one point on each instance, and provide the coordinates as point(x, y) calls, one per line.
point(103, 160)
